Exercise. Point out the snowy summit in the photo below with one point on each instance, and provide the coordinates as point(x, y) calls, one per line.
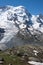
point(18, 19)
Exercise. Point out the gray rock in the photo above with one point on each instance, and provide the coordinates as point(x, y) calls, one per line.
point(34, 59)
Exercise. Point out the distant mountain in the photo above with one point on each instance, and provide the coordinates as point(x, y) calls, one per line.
point(19, 27)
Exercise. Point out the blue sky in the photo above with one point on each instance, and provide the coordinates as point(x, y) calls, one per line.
point(33, 6)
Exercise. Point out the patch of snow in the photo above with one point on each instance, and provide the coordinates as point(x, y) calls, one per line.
point(35, 52)
point(35, 63)
point(22, 26)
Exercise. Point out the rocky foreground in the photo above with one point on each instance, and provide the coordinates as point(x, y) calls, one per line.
point(23, 55)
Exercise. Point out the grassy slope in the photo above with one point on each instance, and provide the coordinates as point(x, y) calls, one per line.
point(14, 59)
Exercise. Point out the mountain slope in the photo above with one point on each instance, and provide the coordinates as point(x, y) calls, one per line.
point(17, 22)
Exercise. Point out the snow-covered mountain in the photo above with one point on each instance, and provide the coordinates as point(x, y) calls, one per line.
point(16, 24)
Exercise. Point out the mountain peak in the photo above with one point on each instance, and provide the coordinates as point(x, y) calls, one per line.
point(18, 19)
